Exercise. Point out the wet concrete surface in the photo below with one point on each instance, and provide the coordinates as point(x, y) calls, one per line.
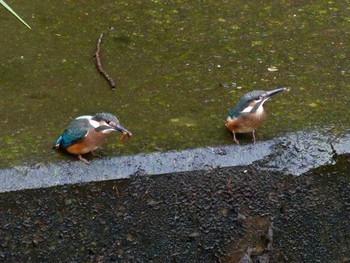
point(294, 153)
point(264, 210)
point(190, 61)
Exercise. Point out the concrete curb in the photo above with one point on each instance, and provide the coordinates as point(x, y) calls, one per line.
point(294, 153)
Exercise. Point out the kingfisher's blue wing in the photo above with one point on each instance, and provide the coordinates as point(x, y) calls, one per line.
point(236, 111)
point(75, 132)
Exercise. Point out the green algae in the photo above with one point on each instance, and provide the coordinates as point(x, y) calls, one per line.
point(168, 59)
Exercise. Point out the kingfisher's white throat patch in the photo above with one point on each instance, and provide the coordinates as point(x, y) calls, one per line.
point(259, 111)
point(92, 122)
point(88, 117)
point(247, 109)
point(106, 131)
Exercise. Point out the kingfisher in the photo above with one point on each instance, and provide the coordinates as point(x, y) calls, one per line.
point(86, 133)
point(249, 112)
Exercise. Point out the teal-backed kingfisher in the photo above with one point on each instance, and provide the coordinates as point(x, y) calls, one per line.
point(86, 133)
point(249, 113)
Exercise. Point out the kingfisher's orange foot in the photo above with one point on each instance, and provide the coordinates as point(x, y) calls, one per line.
point(254, 138)
point(81, 158)
point(235, 139)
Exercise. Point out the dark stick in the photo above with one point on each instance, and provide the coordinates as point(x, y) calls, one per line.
point(98, 63)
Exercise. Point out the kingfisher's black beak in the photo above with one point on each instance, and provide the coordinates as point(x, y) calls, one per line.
point(125, 133)
point(121, 129)
point(266, 96)
point(273, 92)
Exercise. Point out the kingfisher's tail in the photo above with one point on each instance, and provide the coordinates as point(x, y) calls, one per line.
point(58, 142)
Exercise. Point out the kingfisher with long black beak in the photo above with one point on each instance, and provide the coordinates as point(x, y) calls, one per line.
point(249, 112)
point(86, 133)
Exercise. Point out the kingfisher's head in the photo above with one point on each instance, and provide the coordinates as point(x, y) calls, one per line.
point(253, 102)
point(108, 123)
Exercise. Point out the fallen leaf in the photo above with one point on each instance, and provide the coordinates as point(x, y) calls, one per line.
point(272, 69)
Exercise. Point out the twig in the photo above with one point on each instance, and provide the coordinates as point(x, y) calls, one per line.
point(98, 63)
point(116, 190)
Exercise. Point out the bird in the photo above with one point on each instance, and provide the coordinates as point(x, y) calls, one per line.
point(249, 112)
point(86, 133)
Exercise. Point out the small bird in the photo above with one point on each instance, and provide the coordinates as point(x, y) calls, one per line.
point(86, 133)
point(249, 112)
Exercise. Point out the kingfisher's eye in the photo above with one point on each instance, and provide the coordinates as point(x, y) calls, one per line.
point(257, 98)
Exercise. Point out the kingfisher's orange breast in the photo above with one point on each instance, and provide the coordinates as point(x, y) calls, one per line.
point(245, 123)
point(89, 143)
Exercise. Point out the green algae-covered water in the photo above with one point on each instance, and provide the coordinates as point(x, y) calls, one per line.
point(179, 67)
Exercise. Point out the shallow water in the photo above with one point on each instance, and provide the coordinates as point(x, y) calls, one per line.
point(179, 67)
